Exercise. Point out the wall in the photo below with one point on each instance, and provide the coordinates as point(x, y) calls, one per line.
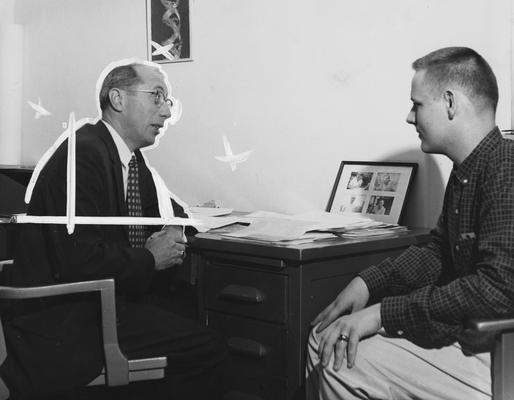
point(304, 84)
point(11, 82)
point(6, 11)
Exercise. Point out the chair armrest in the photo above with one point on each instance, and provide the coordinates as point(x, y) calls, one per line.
point(18, 293)
point(116, 364)
point(5, 262)
point(491, 325)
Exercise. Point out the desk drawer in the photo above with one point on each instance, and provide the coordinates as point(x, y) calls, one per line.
point(255, 348)
point(246, 292)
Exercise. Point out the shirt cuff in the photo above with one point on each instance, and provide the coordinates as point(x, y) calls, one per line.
point(392, 313)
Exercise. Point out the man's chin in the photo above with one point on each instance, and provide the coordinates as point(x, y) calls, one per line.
point(426, 148)
point(150, 143)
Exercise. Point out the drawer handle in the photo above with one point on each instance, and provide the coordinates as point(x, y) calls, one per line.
point(247, 347)
point(246, 294)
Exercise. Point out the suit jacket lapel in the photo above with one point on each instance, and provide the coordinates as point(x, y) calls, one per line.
point(104, 134)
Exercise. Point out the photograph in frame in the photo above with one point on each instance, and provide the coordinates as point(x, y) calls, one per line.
point(168, 30)
point(378, 190)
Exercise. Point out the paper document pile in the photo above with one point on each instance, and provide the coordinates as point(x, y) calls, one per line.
point(276, 227)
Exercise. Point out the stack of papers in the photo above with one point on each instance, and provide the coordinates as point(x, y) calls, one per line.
point(293, 229)
point(237, 232)
point(275, 227)
point(368, 232)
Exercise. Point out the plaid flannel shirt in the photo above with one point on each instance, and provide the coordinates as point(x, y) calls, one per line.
point(467, 269)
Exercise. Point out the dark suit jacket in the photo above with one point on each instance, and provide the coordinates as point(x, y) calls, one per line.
point(47, 254)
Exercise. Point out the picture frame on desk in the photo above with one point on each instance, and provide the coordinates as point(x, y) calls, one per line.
point(168, 25)
point(377, 190)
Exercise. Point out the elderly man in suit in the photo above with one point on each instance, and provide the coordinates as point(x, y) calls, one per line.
point(57, 347)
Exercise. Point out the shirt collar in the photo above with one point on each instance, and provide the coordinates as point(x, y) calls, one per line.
point(483, 149)
point(123, 150)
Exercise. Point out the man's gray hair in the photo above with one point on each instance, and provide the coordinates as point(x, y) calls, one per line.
point(123, 76)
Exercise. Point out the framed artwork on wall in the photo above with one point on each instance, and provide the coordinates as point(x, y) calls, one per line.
point(168, 30)
point(375, 189)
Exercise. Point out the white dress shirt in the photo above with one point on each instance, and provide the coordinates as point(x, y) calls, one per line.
point(123, 151)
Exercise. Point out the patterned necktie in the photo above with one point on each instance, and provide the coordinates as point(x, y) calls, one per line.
point(136, 232)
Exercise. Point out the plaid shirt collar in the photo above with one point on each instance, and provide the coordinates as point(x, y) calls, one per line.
point(464, 171)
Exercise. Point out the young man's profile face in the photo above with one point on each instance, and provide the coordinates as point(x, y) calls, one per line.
point(428, 114)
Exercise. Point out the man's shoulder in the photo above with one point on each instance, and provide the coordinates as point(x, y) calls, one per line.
point(94, 139)
point(507, 144)
point(89, 143)
point(499, 161)
point(502, 153)
point(91, 133)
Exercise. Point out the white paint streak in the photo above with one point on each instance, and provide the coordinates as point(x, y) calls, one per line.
point(39, 109)
point(162, 50)
point(230, 157)
point(71, 175)
point(63, 220)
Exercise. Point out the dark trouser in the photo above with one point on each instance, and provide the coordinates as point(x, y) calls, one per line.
point(193, 352)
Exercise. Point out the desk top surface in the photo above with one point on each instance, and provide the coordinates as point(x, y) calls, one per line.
point(325, 248)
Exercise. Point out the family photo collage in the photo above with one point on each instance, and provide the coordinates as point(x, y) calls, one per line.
point(377, 191)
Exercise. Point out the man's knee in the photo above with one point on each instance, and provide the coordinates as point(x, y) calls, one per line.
point(313, 345)
point(369, 349)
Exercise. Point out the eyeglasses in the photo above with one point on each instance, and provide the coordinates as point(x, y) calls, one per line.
point(159, 96)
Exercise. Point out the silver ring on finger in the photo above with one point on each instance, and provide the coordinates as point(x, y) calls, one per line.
point(343, 338)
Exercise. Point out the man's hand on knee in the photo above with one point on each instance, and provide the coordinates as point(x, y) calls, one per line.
point(343, 335)
point(353, 298)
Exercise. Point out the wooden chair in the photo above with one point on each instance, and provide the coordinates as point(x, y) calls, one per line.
point(118, 369)
point(502, 357)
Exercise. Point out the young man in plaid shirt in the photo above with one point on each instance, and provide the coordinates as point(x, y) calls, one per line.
point(397, 330)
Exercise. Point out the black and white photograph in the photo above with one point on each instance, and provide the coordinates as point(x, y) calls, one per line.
point(256, 200)
point(380, 205)
point(359, 180)
point(387, 182)
point(353, 203)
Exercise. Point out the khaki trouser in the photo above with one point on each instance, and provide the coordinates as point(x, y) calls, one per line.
point(391, 368)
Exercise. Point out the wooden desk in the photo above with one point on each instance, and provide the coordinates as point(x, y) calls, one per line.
point(262, 297)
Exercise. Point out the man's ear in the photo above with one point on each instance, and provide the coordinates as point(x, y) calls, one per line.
point(116, 99)
point(451, 105)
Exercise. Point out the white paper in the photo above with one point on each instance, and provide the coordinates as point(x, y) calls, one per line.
point(210, 211)
point(274, 229)
point(206, 223)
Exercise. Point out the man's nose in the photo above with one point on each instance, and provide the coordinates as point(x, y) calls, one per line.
point(165, 110)
point(411, 118)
